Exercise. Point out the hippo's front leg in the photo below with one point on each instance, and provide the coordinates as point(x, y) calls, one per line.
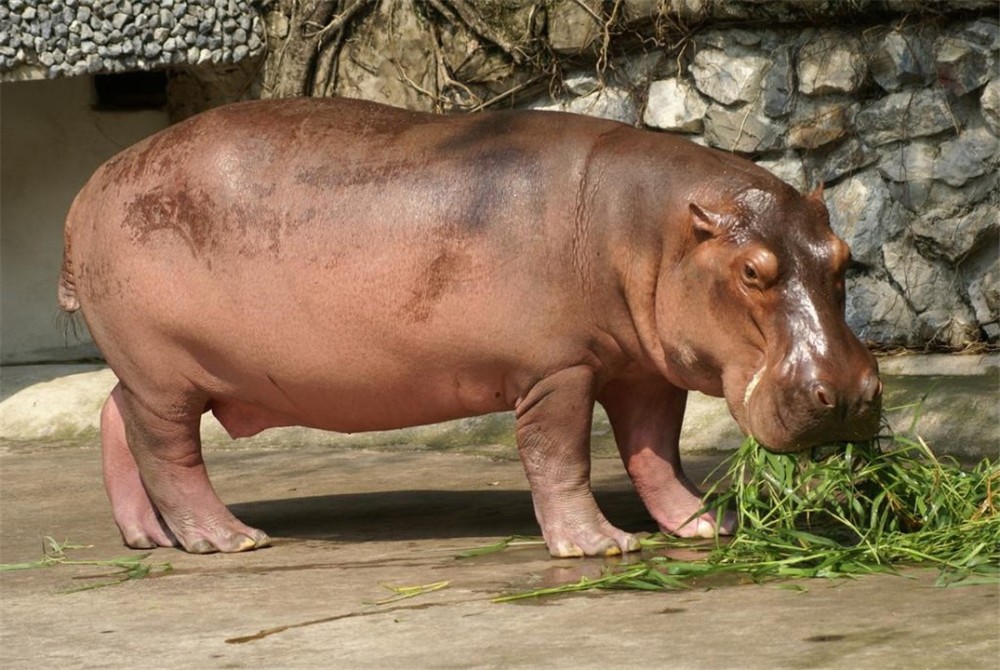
point(553, 437)
point(646, 417)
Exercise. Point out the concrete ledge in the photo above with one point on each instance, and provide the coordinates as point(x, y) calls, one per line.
point(939, 365)
point(949, 400)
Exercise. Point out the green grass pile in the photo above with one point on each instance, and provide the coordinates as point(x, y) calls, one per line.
point(835, 512)
point(862, 508)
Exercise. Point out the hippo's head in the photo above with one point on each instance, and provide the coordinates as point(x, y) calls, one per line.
point(762, 315)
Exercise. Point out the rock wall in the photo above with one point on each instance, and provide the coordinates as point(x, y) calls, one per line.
point(892, 105)
point(898, 122)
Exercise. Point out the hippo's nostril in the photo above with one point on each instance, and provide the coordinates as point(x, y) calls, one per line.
point(825, 395)
point(871, 387)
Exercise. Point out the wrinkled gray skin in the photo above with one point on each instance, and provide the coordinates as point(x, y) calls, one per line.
point(348, 266)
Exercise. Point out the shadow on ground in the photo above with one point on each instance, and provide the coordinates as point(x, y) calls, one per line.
point(419, 514)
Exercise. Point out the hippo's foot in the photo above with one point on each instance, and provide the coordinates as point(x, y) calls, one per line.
point(703, 525)
point(144, 530)
point(581, 530)
point(675, 507)
point(189, 515)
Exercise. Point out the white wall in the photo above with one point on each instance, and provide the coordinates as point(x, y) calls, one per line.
point(50, 143)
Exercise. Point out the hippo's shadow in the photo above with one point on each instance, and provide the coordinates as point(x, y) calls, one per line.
point(420, 514)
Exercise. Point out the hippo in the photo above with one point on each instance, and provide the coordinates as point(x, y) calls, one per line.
point(350, 266)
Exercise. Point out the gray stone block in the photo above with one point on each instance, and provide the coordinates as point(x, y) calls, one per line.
point(814, 124)
point(788, 168)
point(902, 59)
point(910, 166)
point(778, 85)
point(674, 104)
point(571, 27)
point(904, 115)
point(953, 238)
point(608, 103)
point(877, 312)
point(729, 78)
point(984, 294)
point(989, 103)
point(832, 62)
point(830, 163)
point(746, 129)
point(864, 214)
point(962, 65)
point(640, 10)
point(971, 154)
point(930, 287)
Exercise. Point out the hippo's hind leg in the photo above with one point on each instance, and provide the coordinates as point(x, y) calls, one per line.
point(553, 437)
point(163, 463)
point(140, 524)
point(646, 417)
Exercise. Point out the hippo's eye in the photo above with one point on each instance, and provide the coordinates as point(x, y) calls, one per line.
point(757, 269)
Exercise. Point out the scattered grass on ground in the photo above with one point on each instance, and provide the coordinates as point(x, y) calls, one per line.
point(832, 512)
point(404, 592)
point(123, 568)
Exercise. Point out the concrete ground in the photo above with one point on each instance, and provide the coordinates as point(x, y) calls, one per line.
point(348, 519)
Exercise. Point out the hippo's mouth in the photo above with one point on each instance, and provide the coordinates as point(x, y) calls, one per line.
point(782, 420)
point(751, 387)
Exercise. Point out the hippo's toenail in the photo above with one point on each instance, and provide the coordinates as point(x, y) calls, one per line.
point(141, 542)
point(202, 546)
point(243, 543)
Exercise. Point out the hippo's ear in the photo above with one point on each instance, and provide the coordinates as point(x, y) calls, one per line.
point(817, 194)
point(706, 222)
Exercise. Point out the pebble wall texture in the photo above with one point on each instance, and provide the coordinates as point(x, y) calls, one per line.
point(900, 125)
point(50, 38)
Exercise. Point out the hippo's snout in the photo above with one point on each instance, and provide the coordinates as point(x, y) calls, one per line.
point(794, 414)
point(854, 400)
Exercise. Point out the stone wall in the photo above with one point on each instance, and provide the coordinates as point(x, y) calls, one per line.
point(898, 122)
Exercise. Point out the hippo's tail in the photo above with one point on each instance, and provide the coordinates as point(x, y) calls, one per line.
point(69, 304)
point(66, 292)
point(68, 301)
